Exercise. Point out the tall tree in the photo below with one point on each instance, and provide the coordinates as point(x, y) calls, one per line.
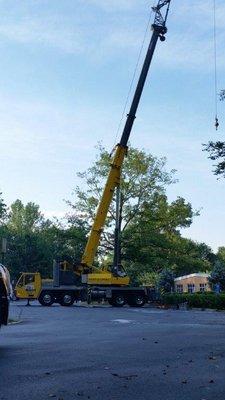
point(24, 219)
point(143, 176)
point(153, 241)
point(34, 242)
point(25, 250)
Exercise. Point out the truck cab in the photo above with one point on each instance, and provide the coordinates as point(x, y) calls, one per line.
point(28, 285)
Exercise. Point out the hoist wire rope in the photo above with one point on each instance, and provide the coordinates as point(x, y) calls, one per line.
point(133, 77)
point(215, 60)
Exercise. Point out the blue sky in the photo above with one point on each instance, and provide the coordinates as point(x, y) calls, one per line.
point(66, 66)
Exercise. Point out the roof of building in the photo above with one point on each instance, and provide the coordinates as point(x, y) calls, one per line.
point(199, 274)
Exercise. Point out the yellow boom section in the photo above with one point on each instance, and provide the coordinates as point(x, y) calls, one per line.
point(103, 207)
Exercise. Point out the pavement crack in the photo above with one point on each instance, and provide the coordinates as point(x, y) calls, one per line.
point(127, 377)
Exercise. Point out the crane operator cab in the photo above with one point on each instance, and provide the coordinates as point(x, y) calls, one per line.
point(118, 270)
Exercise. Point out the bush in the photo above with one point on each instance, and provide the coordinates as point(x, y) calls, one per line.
point(196, 300)
point(218, 274)
point(166, 281)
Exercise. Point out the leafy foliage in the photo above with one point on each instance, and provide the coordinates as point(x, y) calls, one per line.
point(166, 281)
point(153, 250)
point(143, 176)
point(216, 150)
point(221, 254)
point(2, 208)
point(196, 300)
point(34, 242)
point(222, 95)
point(153, 239)
point(218, 274)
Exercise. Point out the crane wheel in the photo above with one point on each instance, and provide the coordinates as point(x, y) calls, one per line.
point(138, 300)
point(118, 300)
point(46, 299)
point(67, 300)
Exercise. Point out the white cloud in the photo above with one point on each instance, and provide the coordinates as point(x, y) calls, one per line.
point(47, 33)
point(54, 214)
point(44, 132)
point(190, 37)
point(115, 5)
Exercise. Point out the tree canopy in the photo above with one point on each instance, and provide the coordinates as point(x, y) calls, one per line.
point(151, 225)
point(218, 274)
point(216, 150)
point(34, 242)
point(143, 176)
point(151, 240)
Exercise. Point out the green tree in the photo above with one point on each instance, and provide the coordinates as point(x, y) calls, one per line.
point(64, 242)
point(143, 176)
point(222, 95)
point(2, 208)
point(216, 150)
point(34, 242)
point(218, 274)
point(24, 219)
point(166, 281)
point(153, 241)
point(221, 254)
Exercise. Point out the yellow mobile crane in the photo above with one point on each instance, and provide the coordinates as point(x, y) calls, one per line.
point(85, 280)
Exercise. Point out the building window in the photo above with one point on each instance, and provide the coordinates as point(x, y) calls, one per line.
point(179, 288)
point(191, 288)
point(203, 287)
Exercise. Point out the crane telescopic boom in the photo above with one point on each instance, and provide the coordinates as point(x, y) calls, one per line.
point(159, 30)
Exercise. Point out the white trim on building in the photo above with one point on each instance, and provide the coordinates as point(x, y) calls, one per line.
point(199, 274)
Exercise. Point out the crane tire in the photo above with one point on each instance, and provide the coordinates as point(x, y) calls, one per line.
point(67, 300)
point(118, 300)
point(138, 300)
point(46, 299)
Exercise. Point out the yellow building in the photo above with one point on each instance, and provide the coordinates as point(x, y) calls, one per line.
point(192, 283)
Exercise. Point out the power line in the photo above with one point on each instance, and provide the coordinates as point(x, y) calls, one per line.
point(215, 64)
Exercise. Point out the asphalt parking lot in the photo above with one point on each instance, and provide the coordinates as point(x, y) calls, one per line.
point(108, 353)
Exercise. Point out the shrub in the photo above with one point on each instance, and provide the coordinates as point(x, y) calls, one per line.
point(196, 300)
point(218, 274)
